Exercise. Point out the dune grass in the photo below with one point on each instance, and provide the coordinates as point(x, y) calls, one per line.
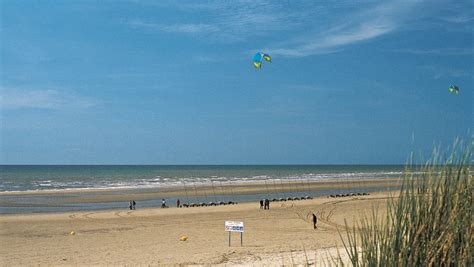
point(428, 223)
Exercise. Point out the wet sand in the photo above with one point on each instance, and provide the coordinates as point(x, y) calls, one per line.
point(281, 235)
point(193, 191)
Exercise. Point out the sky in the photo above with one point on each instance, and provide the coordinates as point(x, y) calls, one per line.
point(172, 82)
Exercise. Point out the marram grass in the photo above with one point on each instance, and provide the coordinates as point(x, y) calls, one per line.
point(428, 223)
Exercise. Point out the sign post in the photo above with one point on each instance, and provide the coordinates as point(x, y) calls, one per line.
point(232, 226)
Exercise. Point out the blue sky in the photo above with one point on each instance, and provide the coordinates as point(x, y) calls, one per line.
point(172, 82)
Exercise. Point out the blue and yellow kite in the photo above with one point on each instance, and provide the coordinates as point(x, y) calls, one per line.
point(454, 89)
point(259, 58)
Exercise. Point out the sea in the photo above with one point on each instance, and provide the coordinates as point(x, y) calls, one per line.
point(74, 178)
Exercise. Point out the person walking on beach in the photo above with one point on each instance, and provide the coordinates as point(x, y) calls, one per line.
point(134, 204)
point(178, 203)
point(130, 205)
point(163, 203)
point(267, 204)
point(261, 203)
point(315, 221)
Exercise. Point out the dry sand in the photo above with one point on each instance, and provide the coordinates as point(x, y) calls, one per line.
point(282, 235)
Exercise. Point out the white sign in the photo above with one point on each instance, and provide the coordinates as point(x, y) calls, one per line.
point(231, 226)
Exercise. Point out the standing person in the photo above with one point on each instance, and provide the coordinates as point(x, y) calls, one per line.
point(163, 203)
point(315, 221)
point(266, 204)
point(261, 203)
point(130, 205)
point(134, 204)
point(178, 203)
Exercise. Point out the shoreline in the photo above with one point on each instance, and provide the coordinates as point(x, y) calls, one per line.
point(38, 179)
point(45, 202)
point(190, 186)
point(244, 205)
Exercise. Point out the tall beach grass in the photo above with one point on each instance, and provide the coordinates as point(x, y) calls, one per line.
point(427, 223)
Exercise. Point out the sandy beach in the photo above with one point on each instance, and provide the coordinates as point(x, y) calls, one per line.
point(281, 235)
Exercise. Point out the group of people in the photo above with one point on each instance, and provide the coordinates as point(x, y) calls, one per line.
point(265, 204)
point(132, 204)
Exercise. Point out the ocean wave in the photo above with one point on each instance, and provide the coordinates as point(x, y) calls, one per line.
point(211, 180)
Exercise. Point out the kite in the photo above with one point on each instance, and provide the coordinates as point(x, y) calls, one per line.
point(454, 89)
point(259, 58)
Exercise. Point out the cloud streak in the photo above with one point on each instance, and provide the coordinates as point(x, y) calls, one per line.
point(237, 21)
point(300, 33)
point(43, 99)
point(438, 72)
point(227, 21)
point(439, 51)
point(190, 28)
point(458, 19)
point(365, 25)
point(333, 42)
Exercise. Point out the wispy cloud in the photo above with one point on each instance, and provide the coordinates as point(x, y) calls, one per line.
point(438, 72)
point(297, 29)
point(175, 28)
point(439, 51)
point(234, 21)
point(226, 21)
point(43, 99)
point(332, 42)
point(458, 19)
point(364, 25)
